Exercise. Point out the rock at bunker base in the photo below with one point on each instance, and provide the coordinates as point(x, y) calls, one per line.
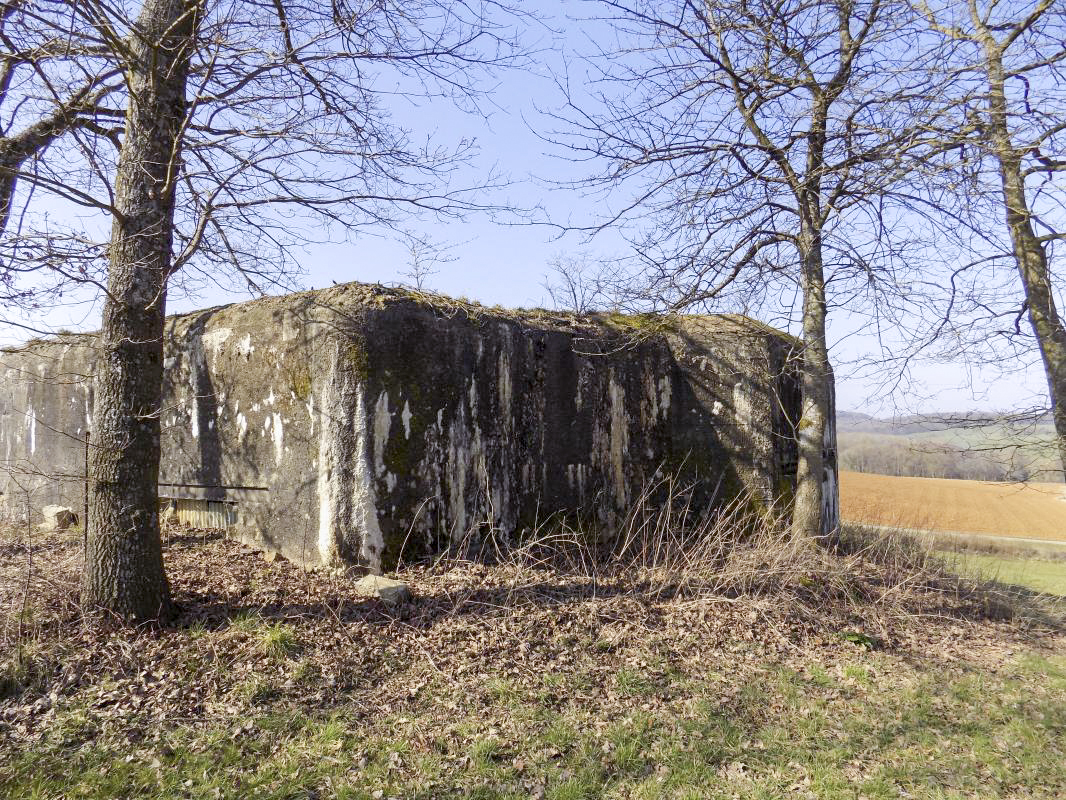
point(390, 592)
point(57, 518)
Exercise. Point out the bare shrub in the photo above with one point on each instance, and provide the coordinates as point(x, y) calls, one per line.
point(664, 549)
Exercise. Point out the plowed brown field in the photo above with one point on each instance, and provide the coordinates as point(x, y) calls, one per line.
point(1030, 510)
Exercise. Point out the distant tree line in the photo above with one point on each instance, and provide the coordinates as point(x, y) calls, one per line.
point(895, 455)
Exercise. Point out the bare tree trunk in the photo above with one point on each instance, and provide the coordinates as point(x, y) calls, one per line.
point(814, 513)
point(124, 565)
point(1029, 253)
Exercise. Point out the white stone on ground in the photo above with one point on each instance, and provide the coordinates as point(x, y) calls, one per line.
point(390, 592)
point(57, 518)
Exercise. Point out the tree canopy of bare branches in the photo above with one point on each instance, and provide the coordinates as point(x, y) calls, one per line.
point(760, 143)
point(1005, 105)
point(211, 138)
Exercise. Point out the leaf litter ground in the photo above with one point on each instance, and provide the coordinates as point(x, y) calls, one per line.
point(517, 681)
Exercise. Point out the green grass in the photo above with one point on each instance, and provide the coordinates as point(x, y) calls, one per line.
point(873, 726)
point(273, 639)
point(1042, 575)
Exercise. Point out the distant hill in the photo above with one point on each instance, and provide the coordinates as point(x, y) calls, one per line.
point(969, 446)
point(857, 422)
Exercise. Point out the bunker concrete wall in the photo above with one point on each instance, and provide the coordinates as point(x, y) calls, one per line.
point(354, 423)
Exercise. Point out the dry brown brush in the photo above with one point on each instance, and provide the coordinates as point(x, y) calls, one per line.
point(664, 549)
point(675, 586)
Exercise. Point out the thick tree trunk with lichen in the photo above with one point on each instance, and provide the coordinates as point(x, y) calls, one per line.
point(814, 511)
point(124, 565)
point(1043, 317)
point(1029, 253)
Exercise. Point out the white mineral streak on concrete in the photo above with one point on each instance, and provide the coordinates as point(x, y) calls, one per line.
point(245, 346)
point(458, 460)
point(650, 401)
point(311, 411)
point(477, 449)
point(242, 426)
point(503, 508)
point(466, 460)
point(196, 363)
point(665, 389)
point(575, 476)
point(743, 411)
point(382, 425)
point(364, 502)
point(327, 544)
point(481, 472)
point(503, 385)
point(331, 456)
point(619, 441)
point(214, 339)
point(31, 429)
point(279, 438)
point(270, 398)
point(406, 417)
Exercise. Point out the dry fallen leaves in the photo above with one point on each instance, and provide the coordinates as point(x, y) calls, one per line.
point(471, 634)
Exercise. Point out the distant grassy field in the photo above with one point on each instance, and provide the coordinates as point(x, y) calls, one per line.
point(1041, 574)
point(1032, 511)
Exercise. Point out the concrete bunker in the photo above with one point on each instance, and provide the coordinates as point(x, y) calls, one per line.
point(343, 426)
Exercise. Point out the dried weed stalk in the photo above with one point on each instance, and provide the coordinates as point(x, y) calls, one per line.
point(665, 549)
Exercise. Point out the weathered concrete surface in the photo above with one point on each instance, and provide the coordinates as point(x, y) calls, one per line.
point(45, 408)
point(57, 518)
point(348, 424)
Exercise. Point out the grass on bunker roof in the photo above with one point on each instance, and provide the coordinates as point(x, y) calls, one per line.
point(793, 674)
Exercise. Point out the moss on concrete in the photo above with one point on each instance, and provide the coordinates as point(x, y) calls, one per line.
point(298, 378)
point(355, 356)
point(649, 324)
